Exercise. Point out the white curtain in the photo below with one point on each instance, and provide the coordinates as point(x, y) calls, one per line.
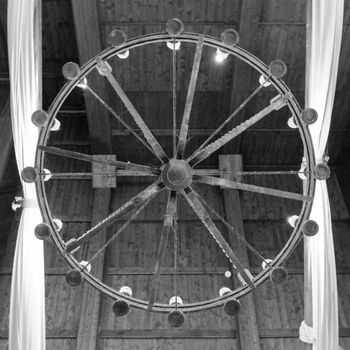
point(27, 308)
point(327, 26)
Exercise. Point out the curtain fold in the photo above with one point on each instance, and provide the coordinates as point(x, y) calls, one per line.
point(327, 26)
point(27, 309)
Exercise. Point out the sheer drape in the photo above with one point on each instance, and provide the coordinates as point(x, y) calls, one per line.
point(27, 310)
point(327, 25)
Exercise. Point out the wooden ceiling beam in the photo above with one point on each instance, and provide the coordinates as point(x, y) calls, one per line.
point(248, 39)
point(89, 45)
point(247, 324)
point(91, 300)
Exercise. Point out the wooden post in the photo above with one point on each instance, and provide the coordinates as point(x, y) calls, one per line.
point(242, 73)
point(247, 327)
point(307, 260)
point(89, 318)
point(103, 181)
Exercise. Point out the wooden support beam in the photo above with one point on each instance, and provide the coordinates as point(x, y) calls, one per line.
point(265, 333)
point(247, 327)
point(91, 300)
point(249, 40)
point(122, 271)
point(6, 139)
point(89, 45)
point(104, 181)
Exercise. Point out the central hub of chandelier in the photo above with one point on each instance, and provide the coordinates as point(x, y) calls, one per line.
point(177, 174)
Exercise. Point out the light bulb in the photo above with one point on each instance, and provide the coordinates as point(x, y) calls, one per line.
point(291, 123)
point(58, 224)
point(220, 56)
point(126, 290)
point(56, 125)
point(292, 220)
point(228, 274)
point(264, 81)
point(175, 300)
point(123, 55)
point(85, 265)
point(302, 169)
point(265, 264)
point(223, 291)
point(82, 83)
point(170, 44)
point(47, 175)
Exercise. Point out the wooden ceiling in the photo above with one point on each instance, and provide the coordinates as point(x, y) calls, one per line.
point(77, 30)
point(269, 29)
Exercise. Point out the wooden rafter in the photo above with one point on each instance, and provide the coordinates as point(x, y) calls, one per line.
point(248, 33)
point(247, 327)
point(89, 44)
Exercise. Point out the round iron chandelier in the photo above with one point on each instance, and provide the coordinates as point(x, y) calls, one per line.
point(177, 173)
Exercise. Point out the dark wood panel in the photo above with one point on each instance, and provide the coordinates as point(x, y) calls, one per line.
point(284, 11)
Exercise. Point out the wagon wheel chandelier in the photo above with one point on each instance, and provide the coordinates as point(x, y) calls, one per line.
point(176, 174)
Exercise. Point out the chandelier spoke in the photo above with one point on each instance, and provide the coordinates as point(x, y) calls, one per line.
point(217, 172)
point(232, 229)
point(277, 103)
point(110, 109)
point(230, 117)
point(216, 181)
point(168, 223)
point(189, 100)
point(203, 215)
point(132, 204)
point(89, 175)
point(89, 158)
point(157, 148)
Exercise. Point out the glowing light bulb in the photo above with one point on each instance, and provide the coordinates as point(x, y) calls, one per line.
point(265, 264)
point(170, 44)
point(264, 81)
point(220, 56)
point(123, 55)
point(228, 274)
point(85, 265)
point(175, 300)
point(56, 125)
point(292, 220)
point(291, 123)
point(302, 169)
point(58, 224)
point(223, 291)
point(126, 290)
point(47, 175)
point(83, 83)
